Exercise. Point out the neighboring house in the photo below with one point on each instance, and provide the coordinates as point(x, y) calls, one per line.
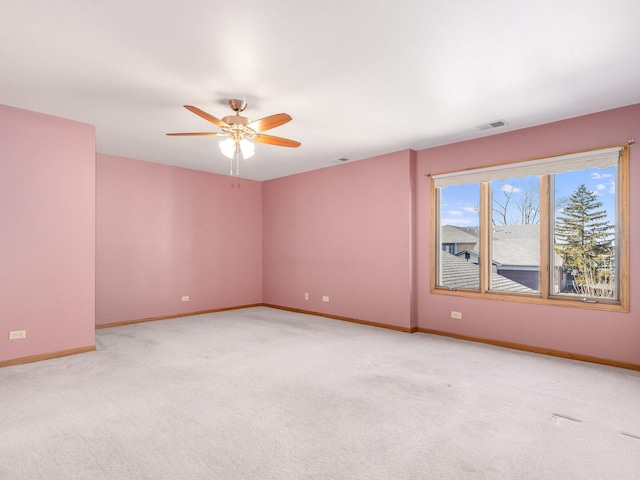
point(515, 252)
point(458, 273)
point(456, 239)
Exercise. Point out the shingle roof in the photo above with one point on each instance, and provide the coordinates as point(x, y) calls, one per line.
point(512, 244)
point(516, 245)
point(453, 234)
point(459, 273)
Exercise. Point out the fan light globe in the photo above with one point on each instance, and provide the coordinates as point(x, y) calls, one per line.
point(228, 147)
point(247, 148)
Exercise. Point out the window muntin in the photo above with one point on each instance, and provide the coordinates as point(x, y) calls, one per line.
point(609, 166)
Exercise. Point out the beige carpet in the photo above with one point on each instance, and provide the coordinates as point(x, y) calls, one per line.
point(267, 394)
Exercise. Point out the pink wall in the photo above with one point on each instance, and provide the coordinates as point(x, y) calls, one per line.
point(358, 233)
point(613, 336)
point(165, 232)
point(347, 232)
point(47, 245)
point(342, 232)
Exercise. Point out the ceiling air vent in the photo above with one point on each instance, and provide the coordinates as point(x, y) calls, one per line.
point(489, 126)
point(339, 160)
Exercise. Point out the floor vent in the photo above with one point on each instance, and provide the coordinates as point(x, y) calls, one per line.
point(557, 419)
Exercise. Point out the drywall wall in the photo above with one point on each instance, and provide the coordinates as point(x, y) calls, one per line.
point(47, 245)
point(343, 232)
point(164, 233)
point(613, 336)
point(357, 233)
point(346, 232)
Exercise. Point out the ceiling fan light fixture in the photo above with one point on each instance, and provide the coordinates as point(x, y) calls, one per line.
point(241, 132)
point(229, 145)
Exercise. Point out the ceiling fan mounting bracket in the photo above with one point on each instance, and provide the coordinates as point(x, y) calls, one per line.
point(237, 105)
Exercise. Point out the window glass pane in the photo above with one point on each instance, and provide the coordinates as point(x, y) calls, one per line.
point(515, 235)
point(584, 230)
point(459, 240)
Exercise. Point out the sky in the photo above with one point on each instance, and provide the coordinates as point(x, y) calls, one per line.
point(460, 202)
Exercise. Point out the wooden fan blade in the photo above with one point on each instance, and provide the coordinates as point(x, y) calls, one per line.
point(195, 134)
point(206, 116)
point(281, 142)
point(267, 123)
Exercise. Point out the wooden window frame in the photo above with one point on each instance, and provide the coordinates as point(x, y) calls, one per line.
point(544, 297)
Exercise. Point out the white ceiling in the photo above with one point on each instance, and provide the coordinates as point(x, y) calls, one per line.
point(359, 77)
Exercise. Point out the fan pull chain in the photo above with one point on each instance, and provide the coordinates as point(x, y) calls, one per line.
point(236, 157)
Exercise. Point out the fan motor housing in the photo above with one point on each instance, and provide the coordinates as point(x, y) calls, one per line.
point(236, 120)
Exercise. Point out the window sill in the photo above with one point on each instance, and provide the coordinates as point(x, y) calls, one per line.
point(603, 305)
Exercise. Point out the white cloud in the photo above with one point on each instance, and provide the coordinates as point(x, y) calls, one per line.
point(607, 187)
point(470, 209)
point(460, 222)
point(600, 176)
point(509, 188)
point(455, 212)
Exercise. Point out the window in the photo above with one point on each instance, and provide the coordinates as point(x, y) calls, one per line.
point(459, 240)
point(551, 230)
point(515, 234)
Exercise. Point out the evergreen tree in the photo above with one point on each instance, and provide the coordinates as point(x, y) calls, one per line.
point(584, 240)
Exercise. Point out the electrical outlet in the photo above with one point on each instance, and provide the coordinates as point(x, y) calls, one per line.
point(325, 298)
point(456, 315)
point(16, 334)
point(306, 295)
point(185, 298)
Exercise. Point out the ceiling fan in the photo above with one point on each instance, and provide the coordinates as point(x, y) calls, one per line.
point(241, 132)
